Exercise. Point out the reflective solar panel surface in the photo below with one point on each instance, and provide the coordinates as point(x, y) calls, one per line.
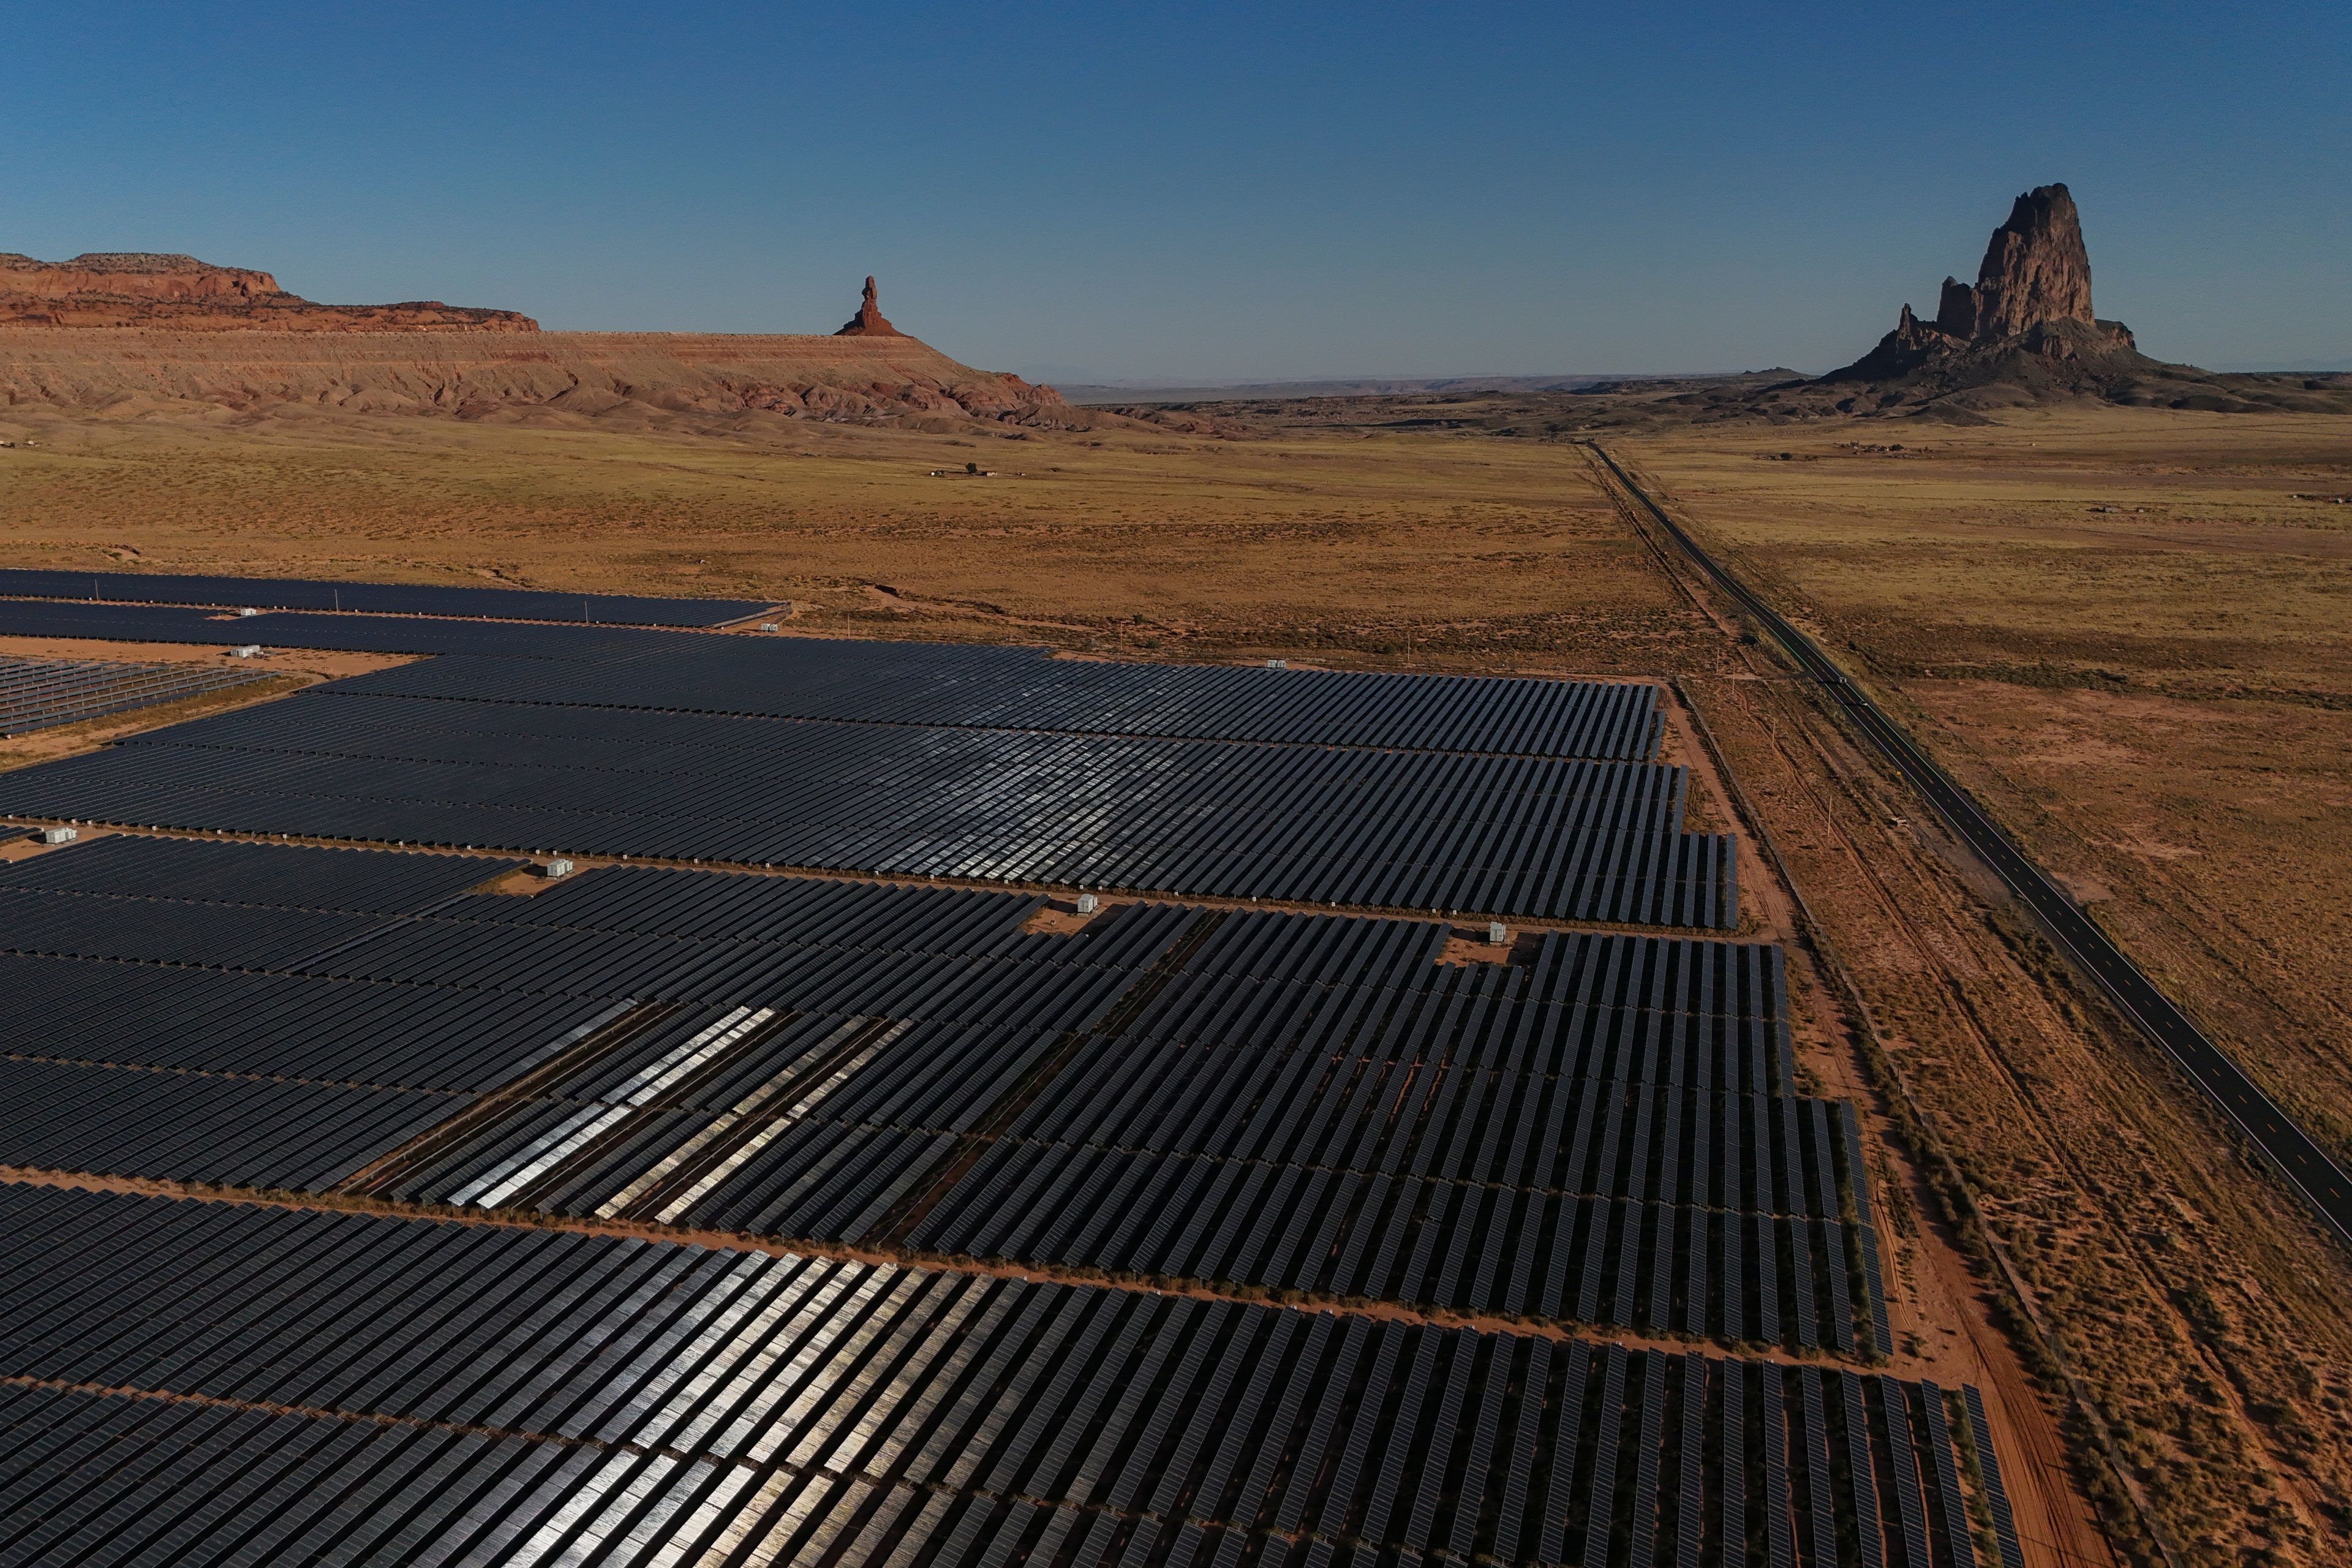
point(1608, 1134)
point(396, 598)
point(239, 1380)
point(902, 1214)
point(1559, 838)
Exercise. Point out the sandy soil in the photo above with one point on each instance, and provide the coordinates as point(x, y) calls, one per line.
point(2132, 635)
point(1393, 550)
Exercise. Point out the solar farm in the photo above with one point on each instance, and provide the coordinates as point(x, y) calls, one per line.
point(638, 1092)
point(44, 693)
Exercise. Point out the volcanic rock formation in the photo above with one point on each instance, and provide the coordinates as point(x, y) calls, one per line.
point(868, 322)
point(2031, 298)
point(2035, 270)
point(2022, 334)
point(140, 289)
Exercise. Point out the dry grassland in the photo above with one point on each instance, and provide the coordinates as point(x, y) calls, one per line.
point(2158, 697)
point(1372, 550)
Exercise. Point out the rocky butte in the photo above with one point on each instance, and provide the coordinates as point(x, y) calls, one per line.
point(868, 322)
point(139, 289)
point(2032, 295)
point(131, 334)
point(2024, 333)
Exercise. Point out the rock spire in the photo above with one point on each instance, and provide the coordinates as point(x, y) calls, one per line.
point(2035, 271)
point(868, 322)
point(2032, 295)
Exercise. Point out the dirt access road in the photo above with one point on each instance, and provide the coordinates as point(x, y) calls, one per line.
point(2299, 1161)
point(2177, 1309)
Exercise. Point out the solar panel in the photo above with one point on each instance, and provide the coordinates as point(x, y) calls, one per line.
point(1987, 1465)
point(397, 598)
point(1910, 1499)
point(117, 623)
point(1558, 839)
point(302, 1137)
point(300, 877)
point(1019, 688)
point(42, 694)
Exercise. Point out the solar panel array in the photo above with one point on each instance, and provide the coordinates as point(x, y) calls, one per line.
point(1609, 1135)
point(914, 683)
point(42, 693)
point(115, 623)
point(631, 1145)
point(1512, 836)
point(1021, 688)
point(225, 1382)
point(1328, 1111)
point(258, 874)
point(245, 1024)
point(345, 633)
point(198, 1128)
point(395, 598)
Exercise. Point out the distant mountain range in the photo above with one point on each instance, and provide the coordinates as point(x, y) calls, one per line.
point(2339, 365)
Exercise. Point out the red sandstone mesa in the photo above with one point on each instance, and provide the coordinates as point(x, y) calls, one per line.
point(134, 332)
point(139, 288)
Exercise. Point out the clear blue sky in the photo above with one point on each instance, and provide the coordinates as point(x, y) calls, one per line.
point(1215, 192)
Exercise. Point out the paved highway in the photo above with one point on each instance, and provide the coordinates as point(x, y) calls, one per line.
point(2306, 1168)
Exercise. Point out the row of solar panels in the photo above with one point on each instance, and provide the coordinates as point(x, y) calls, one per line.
point(838, 1077)
point(1631, 1008)
point(1040, 994)
point(1637, 1009)
point(853, 1129)
point(839, 1172)
point(211, 870)
point(269, 1382)
point(1767, 1156)
point(43, 693)
point(1016, 689)
point(1416, 1086)
point(884, 682)
point(191, 1127)
point(1403, 830)
point(334, 633)
point(167, 1013)
point(1669, 974)
point(391, 598)
point(1423, 1113)
point(1455, 1246)
point(1646, 1009)
point(1265, 978)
